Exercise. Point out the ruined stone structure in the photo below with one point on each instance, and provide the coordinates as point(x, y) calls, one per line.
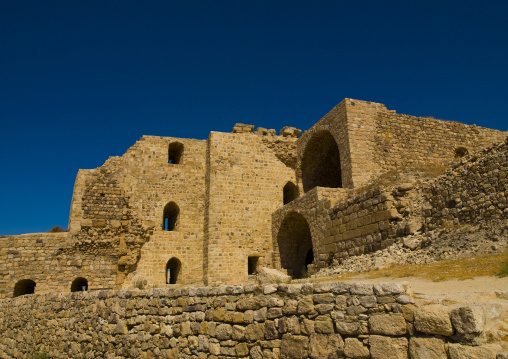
point(174, 211)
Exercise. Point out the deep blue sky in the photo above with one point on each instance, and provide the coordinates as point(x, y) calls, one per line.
point(83, 80)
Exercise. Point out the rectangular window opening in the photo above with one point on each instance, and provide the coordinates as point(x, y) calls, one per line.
point(252, 265)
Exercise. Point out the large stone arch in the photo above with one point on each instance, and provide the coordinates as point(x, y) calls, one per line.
point(321, 165)
point(294, 241)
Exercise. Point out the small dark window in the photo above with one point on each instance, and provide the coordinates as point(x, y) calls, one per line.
point(461, 152)
point(170, 217)
point(79, 285)
point(175, 150)
point(252, 265)
point(173, 270)
point(309, 258)
point(24, 286)
point(290, 192)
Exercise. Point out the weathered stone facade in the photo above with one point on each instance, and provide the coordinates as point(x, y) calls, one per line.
point(325, 320)
point(207, 212)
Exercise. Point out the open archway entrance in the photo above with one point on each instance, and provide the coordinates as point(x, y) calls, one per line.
point(321, 162)
point(24, 286)
point(79, 284)
point(173, 270)
point(295, 244)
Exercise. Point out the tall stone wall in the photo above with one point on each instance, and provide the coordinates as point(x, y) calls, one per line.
point(245, 185)
point(326, 320)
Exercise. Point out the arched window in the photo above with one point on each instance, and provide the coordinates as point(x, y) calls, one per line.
point(321, 162)
point(295, 244)
point(170, 217)
point(24, 286)
point(173, 270)
point(79, 285)
point(290, 192)
point(175, 150)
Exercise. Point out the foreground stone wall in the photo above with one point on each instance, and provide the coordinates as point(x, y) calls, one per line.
point(323, 320)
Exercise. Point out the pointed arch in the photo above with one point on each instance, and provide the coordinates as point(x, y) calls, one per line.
point(79, 284)
point(24, 286)
point(295, 244)
point(175, 151)
point(290, 192)
point(173, 267)
point(170, 217)
point(321, 162)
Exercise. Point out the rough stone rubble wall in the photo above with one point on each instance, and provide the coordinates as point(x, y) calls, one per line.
point(325, 320)
point(473, 191)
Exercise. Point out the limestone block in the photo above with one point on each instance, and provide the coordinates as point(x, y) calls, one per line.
point(242, 128)
point(242, 349)
point(353, 348)
point(459, 351)
point(323, 324)
point(224, 332)
point(270, 275)
point(427, 348)
point(347, 328)
point(387, 324)
point(388, 288)
point(468, 320)
point(433, 319)
point(294, 346)
point(385, 347)
point(326, 346)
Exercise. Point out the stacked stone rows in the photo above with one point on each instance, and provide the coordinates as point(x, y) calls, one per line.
point(472, 192)
point(361, 224)
point(323, 320)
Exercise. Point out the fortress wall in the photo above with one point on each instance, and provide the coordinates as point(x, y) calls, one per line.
point(313, 206)
point(246, 182)
point(48, 260)
point(473, 191)
point(362, 224)
point(323, 320)
point(152, 183)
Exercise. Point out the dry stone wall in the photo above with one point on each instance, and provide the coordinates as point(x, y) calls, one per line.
point(323, 320)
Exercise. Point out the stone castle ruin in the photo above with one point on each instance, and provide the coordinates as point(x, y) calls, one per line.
point(175, 211)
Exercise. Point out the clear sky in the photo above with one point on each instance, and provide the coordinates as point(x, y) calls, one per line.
point(82, 80)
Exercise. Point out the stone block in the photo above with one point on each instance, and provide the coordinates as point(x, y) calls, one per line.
point(326, 346)
point(433, 319)
point(427, 348)
point(459, 351)
point(385, 347)
point(294, 346)
point(387, 324)
point(468, 320)
point(353, 348)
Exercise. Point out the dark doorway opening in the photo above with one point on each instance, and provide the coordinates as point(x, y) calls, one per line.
point(175, 151)
point(290, 192)
point(295, 244)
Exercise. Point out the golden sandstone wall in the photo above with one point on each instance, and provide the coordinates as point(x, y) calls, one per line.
point(228, 192)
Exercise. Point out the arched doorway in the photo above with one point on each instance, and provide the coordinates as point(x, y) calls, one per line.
point(173, 268)
point(79, 285)
point(170, 217)
point(321, 162)
point(295, 244)
point(24, 286)
point(290, 192)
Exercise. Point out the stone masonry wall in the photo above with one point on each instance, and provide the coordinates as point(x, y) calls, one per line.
point(47, 259)
point(475, 190)
point(245, 185)
point(324, 320)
